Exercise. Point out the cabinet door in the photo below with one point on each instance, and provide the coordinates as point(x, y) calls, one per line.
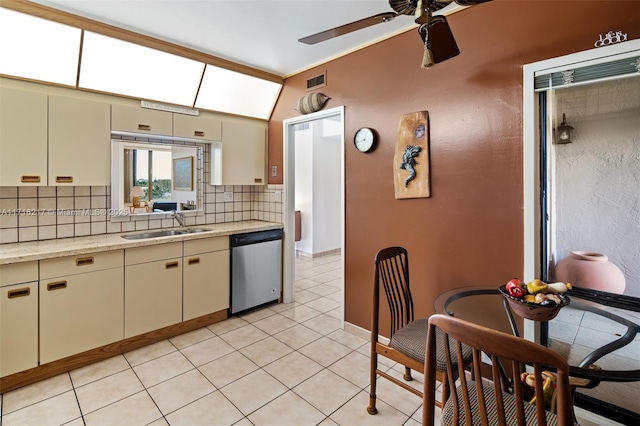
point(79, 142)
point(197, 127)
point(153, 295)
point(206, 284)
point(243, 154)
point(80, 312)
point(23, 138)
point(139, 120)
point(18, 327)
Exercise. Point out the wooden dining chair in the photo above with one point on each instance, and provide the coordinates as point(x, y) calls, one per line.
point(408, 336)
point(492, 400)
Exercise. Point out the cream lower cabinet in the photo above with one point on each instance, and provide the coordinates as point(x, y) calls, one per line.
point(153, 288)
point(18, 317)
point(81, 303)
point(205, 276)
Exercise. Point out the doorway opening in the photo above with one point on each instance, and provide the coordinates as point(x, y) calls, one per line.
point(328, 127)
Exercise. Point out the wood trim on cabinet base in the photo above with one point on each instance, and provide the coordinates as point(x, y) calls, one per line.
point(45, 371)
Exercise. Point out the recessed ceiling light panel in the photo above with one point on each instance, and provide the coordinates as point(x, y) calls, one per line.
point(38, 49)
point(116, 66)
point(235, 93)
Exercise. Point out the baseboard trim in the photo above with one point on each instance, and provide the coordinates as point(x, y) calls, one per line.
point(363, 333)
point(53, 368)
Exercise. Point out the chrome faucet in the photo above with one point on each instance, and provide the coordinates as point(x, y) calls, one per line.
point(178, 216)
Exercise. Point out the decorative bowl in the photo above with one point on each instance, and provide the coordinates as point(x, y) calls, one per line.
point(534, 311)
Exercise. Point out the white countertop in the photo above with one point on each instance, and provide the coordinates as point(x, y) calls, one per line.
point(48, 249)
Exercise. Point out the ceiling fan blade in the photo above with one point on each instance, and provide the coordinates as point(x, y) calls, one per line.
point(348, 28)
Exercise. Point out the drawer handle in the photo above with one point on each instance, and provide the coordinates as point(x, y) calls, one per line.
point(59, 285)
point(257, 180)
point(194, 261)
point(19, 292)
point(64, 179)
point(198, 133)
point(30, 179)
point(144, 127)
point(82, 261)
point(170, 265)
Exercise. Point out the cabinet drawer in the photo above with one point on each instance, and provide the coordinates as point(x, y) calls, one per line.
point(139, 120)
point(80, 312)
point(197, 127)
point(152, 253)
point(205, 245)
point(18, 328)
point(70, 265)
point(16, 273)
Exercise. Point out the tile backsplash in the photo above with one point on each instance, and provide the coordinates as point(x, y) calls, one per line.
point(46, 213)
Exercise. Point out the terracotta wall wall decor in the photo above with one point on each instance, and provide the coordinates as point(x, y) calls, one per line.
point(470, 232)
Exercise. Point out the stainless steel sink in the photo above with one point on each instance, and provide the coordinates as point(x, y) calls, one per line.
point(164, 233)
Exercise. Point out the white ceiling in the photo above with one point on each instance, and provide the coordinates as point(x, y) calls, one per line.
point(262, 34)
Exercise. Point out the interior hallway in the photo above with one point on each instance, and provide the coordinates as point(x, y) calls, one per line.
point(285, 364)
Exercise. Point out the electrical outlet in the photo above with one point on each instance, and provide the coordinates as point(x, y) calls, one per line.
point(274, 171)
point(228, 196)
point(278, 196)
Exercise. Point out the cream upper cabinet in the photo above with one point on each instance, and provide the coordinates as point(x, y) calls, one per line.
point(197, 127)
point(79, 142)
point(205, 277)
point(18, 317)
point(243, 160)
point(23, 137)
point(82, 309)
point(126, 118)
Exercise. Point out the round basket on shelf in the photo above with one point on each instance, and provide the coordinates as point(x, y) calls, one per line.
point(534, 311)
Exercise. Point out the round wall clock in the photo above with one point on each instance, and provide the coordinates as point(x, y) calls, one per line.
point(365, 139)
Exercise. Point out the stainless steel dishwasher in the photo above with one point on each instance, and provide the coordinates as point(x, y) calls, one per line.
point(256, 269)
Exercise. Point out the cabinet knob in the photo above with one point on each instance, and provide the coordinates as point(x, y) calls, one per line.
point(30, 179)
point(144, 127)
point(194, 261)
point(198, 133)
point(64, 179)
point(170, 265)
point(19, 292)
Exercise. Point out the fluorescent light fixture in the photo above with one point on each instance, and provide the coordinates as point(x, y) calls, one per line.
point(38, 49)
point(116, 66)
point(235, 93)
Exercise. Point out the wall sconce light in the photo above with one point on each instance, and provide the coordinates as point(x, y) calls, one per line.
point(564, 132)
point(136, 193)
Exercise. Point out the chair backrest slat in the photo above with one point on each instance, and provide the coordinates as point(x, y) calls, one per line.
point(502, 402)
point(392, 271)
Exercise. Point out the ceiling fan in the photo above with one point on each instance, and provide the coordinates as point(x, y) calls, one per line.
point(439, 44)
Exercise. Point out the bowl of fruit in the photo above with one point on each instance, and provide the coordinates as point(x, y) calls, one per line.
point(536, 300)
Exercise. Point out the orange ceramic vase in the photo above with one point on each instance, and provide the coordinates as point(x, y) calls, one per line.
point(591, 270)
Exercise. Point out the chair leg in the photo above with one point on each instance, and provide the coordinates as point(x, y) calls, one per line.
point(407, 374)
point(371, 409)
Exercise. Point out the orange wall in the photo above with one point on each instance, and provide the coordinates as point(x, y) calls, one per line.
point(470, 231)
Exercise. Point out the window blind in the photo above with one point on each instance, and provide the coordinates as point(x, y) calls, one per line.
point(625, 67)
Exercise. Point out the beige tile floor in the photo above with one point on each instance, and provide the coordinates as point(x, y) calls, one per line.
point(285, 364)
